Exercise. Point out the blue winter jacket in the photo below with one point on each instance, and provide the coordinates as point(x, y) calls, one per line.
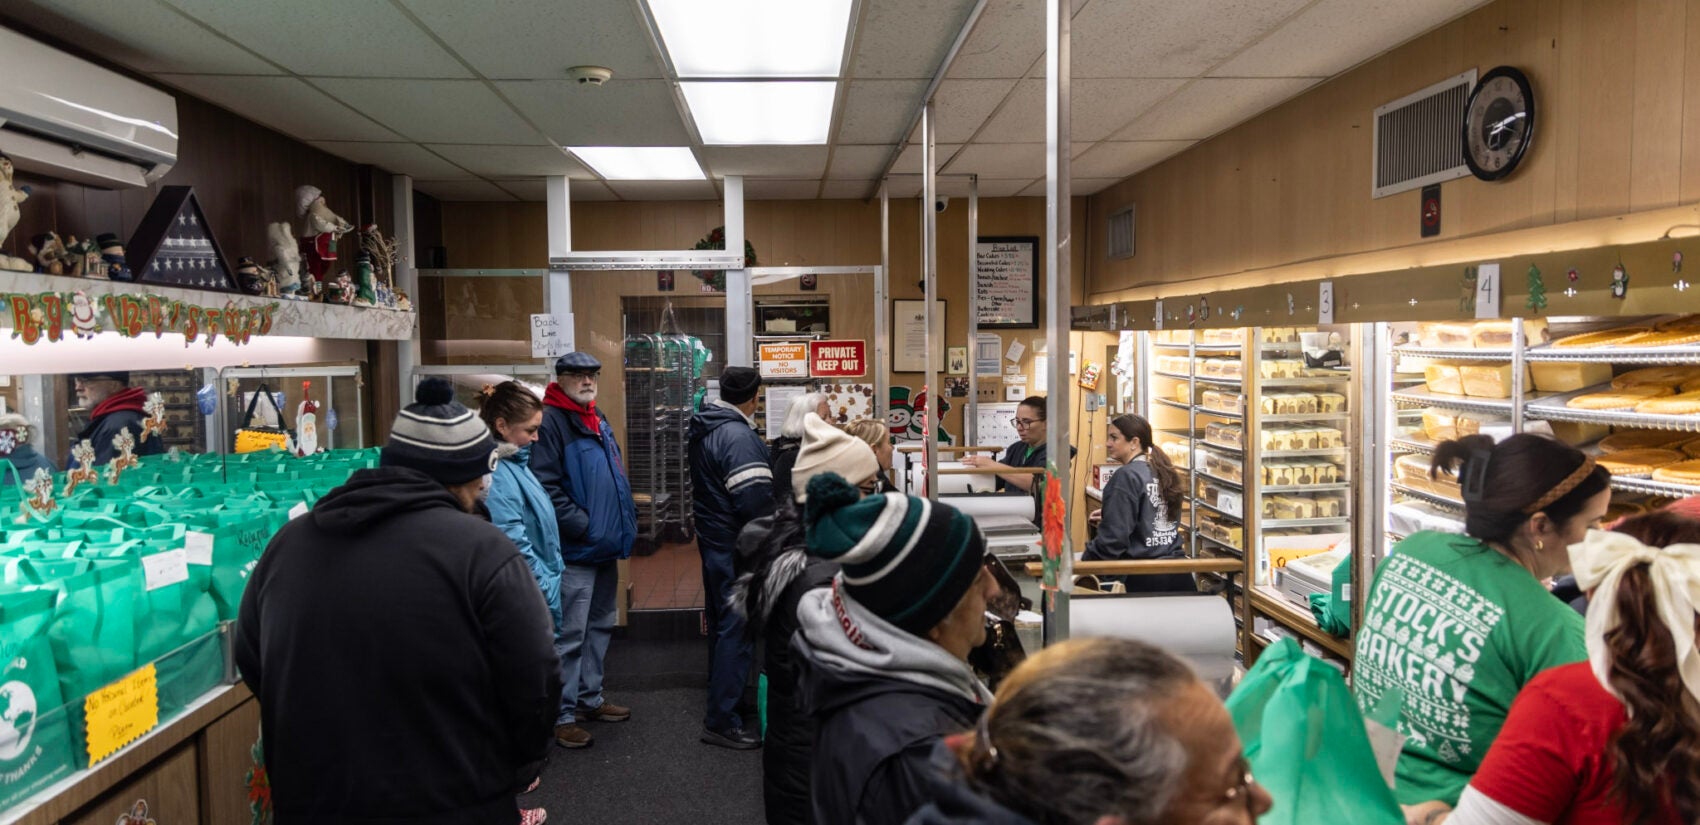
point(26, 460)
point(519, 506)
point(586, 480)
point(731, 482)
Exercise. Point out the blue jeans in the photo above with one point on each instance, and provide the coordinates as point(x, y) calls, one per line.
point(730, 652)
point(587, 623)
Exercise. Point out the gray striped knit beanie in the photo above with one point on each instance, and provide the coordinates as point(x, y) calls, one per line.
point(440, 437)
point(908, 560)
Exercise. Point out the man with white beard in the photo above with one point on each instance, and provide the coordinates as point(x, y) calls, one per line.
point(579, 465)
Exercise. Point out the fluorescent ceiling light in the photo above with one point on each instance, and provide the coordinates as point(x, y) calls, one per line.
point(746, 114)
point(641, 162)
point(754, 38)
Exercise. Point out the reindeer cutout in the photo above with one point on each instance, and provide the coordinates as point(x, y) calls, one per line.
point(124, 443)
point(85, 471)
point(154, 423)
point(39, 504)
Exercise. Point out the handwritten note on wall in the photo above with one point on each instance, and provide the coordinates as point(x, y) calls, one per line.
point(1005, 281)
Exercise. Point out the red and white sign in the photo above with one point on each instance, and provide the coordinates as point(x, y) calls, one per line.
point(838, 359)
point(784, 359)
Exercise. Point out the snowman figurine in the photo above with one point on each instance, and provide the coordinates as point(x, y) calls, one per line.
point(306, 423)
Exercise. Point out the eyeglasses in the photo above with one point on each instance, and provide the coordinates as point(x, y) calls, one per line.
point(580, 376)
point(1242, 791)
point(1023, 423)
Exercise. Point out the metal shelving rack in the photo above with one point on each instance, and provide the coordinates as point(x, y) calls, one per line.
point(664, 385)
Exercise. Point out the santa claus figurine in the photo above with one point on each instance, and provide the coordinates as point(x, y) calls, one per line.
point(306, 423)
point(320, 229)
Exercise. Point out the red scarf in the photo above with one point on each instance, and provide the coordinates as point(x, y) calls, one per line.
point(554, 396)
point(130, 399)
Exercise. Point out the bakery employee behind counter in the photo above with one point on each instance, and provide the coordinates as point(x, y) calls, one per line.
point(113, 406)
point(1029, 423)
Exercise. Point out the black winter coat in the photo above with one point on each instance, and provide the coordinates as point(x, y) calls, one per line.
point(731, 480)
point(955, 802)
point(783, 450)
point(103, 429)
point(403, 658)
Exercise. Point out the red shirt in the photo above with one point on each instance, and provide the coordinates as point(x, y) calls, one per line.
point(1550, 762)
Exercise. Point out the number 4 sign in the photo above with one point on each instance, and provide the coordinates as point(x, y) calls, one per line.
point(1487, 291)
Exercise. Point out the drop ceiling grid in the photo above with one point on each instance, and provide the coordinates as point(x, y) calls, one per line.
point(525, 40)
point(329, 38)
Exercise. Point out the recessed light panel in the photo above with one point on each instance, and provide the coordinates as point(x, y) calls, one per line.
point(757, 113)
point(641, 162)
point(753, 38)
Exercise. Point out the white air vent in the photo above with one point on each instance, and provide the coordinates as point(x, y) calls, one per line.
point(1417, 137)
point(1121, 233)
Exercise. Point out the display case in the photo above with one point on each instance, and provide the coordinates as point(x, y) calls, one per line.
point(338, 404)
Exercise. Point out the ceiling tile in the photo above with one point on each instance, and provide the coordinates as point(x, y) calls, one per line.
point(1079, 187)
point(996, 188)
point(767, 161)
point(1335, 35)
point(909, 162)
point(665, 190)
point(331, 37)
point(1000, 160)
point(962, 106)
point(511, 161)
point(1162, 38)
point(877, 111)
point(1123, 159)
point(1006, 41)
point(435, 111)
point(905, 39)
point(147, 37)
point(1208, 106)
point(526, 39)
point(848, 189)
point(773, 190)
point(402, 158)
point(858, 162)
point(634, 113)
point(283, 103)
point(462, 190)
point(1114, 104)
point(532, 189)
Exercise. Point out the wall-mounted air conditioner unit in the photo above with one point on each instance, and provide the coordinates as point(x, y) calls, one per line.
point(66, 118)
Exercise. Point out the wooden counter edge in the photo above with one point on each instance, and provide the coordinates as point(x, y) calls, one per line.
point(1146, 567)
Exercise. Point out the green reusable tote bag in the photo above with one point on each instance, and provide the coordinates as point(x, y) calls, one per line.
point(36, 746)
point(1307, 744)
point(177, 631)
point(238, 539)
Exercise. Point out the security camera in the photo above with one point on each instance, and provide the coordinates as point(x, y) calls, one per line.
point(941, 203)
point(590, 75)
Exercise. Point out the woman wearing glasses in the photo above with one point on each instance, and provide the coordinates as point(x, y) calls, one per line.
point(1029, 423)
point(1098, 731)
point(1137, 521)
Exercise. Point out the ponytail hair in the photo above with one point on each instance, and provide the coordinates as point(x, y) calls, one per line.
point(1656, 754)
point(1169, 484)
point(1506, 483)
point(509, 401)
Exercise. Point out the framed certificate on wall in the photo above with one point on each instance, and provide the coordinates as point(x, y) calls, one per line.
point(1006, 282)
point(909, 335)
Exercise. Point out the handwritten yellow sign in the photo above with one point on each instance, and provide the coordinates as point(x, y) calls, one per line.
point(121, 712)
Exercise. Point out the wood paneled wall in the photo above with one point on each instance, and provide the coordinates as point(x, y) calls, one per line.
point(1617, 86)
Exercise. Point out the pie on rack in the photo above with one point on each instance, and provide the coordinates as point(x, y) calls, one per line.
point(1664, 376)
point(1601, 338)
point(1618, 399)
point(1639, 462)
point(1641, 440)
point(1682, 472)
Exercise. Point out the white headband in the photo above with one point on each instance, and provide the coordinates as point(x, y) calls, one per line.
point(1599, 563)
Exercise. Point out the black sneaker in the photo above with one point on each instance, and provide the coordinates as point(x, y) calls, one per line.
point(736, 739)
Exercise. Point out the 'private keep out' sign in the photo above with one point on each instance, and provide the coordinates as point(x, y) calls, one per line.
point(838, 359)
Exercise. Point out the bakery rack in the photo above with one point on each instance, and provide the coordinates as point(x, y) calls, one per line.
point(664, 384)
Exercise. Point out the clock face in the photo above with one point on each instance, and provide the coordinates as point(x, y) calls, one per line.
point(1499, 122)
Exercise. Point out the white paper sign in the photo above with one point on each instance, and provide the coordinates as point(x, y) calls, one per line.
point(986, 357)
point(298, 511)
point(779, 398)
point(165, 569)
point(1015, 351)
point(1158, 318)
point(1325, 303)
point(1487, 291)
point(1041, 373)
point(551, 335)
point(198, 547)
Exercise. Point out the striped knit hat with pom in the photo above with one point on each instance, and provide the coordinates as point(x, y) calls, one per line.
point(908, 560)
point(440, 437)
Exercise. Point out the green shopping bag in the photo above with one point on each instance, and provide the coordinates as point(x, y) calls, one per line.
point(1333, 610)
point(1307, 744)
point(36, 746)
point(176, 629)
point(94, 625)
point(237, 540)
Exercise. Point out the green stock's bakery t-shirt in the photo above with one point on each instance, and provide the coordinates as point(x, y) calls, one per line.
point(1455, 629)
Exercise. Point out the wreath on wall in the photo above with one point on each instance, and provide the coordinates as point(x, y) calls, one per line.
point(716, 278)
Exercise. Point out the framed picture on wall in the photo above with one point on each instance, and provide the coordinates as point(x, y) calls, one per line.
point(1006, 282)
point(909, 335)
point(956, 360)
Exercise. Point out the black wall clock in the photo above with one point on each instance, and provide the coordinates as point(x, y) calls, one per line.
point(1499, 123)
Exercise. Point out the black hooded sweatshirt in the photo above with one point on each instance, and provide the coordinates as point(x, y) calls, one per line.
point(403, 658)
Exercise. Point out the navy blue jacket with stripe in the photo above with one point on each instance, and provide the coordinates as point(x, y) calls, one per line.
point(731, 482)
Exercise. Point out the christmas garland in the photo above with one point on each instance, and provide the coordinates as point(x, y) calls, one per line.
point(716, 278)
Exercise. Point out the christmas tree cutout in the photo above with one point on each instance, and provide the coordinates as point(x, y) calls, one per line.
point(174, 246)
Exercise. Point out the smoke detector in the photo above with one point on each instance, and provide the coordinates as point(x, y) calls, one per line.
point(590, 75)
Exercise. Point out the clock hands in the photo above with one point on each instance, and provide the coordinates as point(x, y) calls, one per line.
point(1501, 131)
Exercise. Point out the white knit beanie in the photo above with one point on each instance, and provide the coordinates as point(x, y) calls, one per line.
point(827, 449)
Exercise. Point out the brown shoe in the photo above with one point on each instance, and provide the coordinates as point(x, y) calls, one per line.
point(608, 712)
point(572, 736)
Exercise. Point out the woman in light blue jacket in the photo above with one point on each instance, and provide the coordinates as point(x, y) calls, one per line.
point(517, 502)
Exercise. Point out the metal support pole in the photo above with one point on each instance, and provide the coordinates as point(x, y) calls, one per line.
point(1058, 274)
point(558, 286)
point(35, 398)
point(971, 411)
point(882, 313)
point(740, 305)
point(407, 353)
point(930, 279)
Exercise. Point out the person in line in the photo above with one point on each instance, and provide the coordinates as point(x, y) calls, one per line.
point(774, 552)
point(400, 650)
point(1098, 732)
point(883, 650)
point(1455, 625)
point(1135, 521)
point(517, 501)
point(15, 447)
point(578, 463)
point(114, 406)
point(1030, 451)
point(1616, 738)
point(877, 434)
point(782, 453)
point(731, 486)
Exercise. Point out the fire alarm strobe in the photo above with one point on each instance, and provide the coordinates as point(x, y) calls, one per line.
point(590, 75)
